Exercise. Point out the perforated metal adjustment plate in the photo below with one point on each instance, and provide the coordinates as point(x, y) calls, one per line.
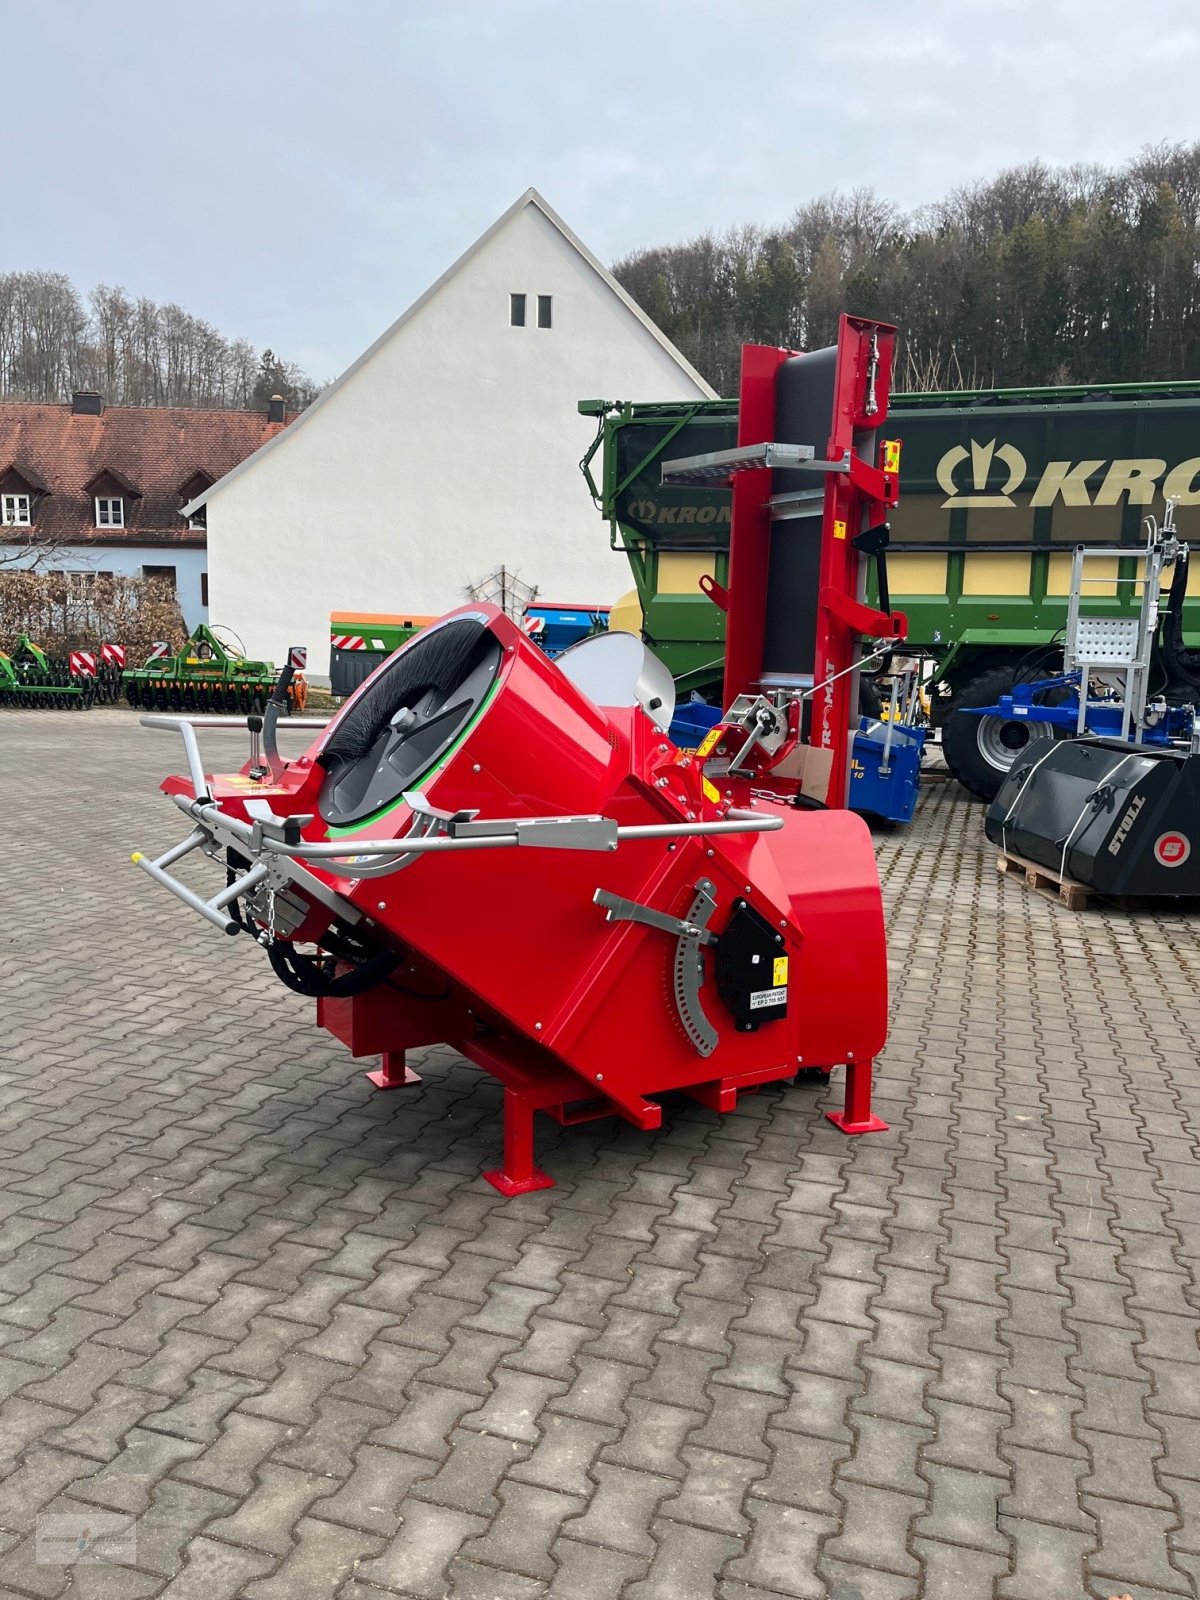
point(1107, 641)
point(688, 973)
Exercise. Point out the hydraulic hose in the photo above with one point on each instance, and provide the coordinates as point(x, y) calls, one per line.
point(316, 977)
point(1182, 663)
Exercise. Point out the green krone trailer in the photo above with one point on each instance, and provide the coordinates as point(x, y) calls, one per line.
point(997, 487)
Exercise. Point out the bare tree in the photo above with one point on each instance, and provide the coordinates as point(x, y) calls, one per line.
point(135, 352)
point(24, 548)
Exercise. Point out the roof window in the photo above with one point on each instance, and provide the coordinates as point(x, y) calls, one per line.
point(15, 511)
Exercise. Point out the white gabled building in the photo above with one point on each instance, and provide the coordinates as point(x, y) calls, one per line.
point(450, 448)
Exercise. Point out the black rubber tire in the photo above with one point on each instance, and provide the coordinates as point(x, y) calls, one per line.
point(974, 746)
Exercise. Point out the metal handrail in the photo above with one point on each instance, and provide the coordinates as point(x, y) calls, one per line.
point(734, 821)
point(186, 727)
point(433, 833)
point(160, 719)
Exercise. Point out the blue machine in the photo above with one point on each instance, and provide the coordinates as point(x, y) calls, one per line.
point(691, 722)
point(1164, 724)
point(557, 628)
point(884, 773)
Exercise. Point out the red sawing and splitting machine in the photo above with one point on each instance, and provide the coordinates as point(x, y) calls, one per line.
point(491, 850)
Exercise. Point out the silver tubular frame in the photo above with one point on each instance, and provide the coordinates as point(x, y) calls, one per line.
point(519, 831)
point(211, 910)
point(434, 833)
point(169, 719)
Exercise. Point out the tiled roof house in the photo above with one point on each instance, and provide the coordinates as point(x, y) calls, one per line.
point(87, 488)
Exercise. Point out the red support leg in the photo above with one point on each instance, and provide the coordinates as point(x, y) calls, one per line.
point(518, 1175)
point(856, 1115)
point(393, 1074)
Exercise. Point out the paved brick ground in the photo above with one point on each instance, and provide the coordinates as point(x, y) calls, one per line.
point(280, 1320)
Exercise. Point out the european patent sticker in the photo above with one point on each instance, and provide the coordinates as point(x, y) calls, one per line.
point(761, 998)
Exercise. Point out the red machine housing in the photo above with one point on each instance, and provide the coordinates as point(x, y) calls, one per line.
point(851, 384)
point(503, 953)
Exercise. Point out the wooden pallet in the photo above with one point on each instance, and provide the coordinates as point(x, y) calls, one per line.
point(1053, 885)
point(1078, 896)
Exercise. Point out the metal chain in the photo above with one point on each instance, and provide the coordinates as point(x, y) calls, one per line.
point(267, 937)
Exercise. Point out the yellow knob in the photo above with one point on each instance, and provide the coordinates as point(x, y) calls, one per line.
point(136, 857)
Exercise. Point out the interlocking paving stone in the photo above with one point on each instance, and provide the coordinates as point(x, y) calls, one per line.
point(230, 1461)
point(524, 1529)
point(592, 1570)
point(321, 1559)
point(281, 1321)
point(714, 1491)
point(474, 1467)
point(216, 1571)
point(781, 1553)
point(684, 1562)
point(22, 1421)
point(565, 1455)
point(267, 1517)
point(376, 1489)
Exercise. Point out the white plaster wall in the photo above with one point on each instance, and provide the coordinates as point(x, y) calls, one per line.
point(452, 451)
point(127, 561)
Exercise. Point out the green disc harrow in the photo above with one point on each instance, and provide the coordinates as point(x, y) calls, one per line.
point(31, 678)
point(206, 675)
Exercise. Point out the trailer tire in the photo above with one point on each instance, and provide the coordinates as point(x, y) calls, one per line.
point(980, 750)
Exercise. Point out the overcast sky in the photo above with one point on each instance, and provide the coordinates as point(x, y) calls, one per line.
point(298, 171)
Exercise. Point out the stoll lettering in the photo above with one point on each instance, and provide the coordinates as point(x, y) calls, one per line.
point(1127, 821)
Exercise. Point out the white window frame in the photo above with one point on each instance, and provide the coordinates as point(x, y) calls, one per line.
point(79, 584)
point(107, 519)
point(547, 301)
point(11, 513)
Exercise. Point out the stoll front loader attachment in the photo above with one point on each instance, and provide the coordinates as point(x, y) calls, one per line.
point(506, 854)
point(1119, 816)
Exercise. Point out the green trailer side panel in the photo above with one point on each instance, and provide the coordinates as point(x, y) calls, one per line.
point(996, 488)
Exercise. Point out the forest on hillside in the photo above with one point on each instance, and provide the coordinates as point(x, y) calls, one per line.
point(1080, 274)
point(53, 340)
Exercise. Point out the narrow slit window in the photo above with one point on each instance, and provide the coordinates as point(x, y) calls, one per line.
point(516, 310)
point(544, 311)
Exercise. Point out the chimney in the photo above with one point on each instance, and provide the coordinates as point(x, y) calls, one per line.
point(275, 408)
point(87, 403)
